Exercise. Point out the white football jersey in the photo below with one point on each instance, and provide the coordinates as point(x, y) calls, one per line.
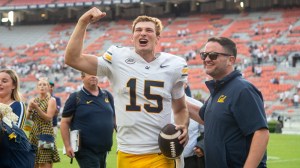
point(143, 94)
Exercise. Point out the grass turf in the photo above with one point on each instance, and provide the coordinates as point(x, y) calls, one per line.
point(283, 151)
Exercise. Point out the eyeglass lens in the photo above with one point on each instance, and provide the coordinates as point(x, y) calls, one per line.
point(211, 55)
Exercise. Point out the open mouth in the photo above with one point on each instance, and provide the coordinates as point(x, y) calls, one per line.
point(143, 42)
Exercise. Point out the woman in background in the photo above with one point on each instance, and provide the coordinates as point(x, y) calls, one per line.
point(10, 95)
point(41, 110)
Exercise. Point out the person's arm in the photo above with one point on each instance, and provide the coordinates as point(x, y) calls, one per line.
point(46, 115)
point(58, 105)
point(194, 107)
point(65, 134)
point(66, 121)
point(181, 118)
point(258, 148)
point(29, 109)
point(73, 55)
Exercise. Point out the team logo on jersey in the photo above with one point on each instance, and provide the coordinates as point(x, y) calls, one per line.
point(163, 66)
point(130, 61)
point(106, 100)
point(221, 99)
point(89, 102)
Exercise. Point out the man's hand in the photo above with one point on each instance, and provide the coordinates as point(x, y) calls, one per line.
point(184, 137)
point(198, 151)
point(69, 152)
point(91, 16)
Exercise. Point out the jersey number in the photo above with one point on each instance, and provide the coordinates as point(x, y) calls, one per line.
point(147, 93)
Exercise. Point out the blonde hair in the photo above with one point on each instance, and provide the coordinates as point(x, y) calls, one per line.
point(15, 95)
point(156, 21)
point(45, 79)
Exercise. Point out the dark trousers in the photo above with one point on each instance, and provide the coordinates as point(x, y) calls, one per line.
point(194, 162)
point(89, 159)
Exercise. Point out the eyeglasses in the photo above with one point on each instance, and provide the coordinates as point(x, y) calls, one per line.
point(212, 55)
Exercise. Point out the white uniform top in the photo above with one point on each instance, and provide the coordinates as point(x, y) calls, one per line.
point(143, 94)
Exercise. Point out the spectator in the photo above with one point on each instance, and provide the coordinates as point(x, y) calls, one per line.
point(258, 71)
point(90, 110)
point(275, 80)
point(41, 110)
point(237, 134)
point(291, 28)
point(58, 105)
point(298, 87)
point(296, 100)
point(11, 95)
point(193, 152)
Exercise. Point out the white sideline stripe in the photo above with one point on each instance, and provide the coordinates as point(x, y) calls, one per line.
point(286, 160)
point(173, 136)
point(273, 158)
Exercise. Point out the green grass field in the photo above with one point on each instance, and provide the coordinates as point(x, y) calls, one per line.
point(283, 152)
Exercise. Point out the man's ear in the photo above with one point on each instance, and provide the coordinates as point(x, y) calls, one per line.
point(157, 37)
point(232, 60)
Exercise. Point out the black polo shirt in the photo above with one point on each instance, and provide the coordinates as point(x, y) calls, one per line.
point(93, 116)
point(232, 114)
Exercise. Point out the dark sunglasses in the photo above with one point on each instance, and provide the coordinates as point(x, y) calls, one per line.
point(212, 55)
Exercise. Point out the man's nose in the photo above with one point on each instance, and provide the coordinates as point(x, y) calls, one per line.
point(143, 32)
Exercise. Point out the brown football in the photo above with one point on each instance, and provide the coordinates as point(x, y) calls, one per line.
point(168, 141)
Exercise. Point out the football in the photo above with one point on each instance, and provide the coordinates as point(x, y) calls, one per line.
point(168, 141)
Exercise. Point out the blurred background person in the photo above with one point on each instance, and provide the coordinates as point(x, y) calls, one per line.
point(193, 151)
point(58, 105)
point(90, 110)
point(10, 94)
point(41, 110)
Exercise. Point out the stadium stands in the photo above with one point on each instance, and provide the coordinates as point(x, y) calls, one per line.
point(28, 2)
point(40, 49)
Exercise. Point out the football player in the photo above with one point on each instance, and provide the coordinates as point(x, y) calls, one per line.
point(146, 86)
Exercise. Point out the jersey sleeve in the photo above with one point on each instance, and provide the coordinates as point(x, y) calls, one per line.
point(178, 89)
point(105, 63)
point(70, 105)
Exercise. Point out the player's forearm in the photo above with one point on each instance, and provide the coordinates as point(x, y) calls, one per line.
point(181, 117)
point(75, 44)
point(258, 147)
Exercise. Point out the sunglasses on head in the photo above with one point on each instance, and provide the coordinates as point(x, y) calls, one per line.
point(212, 55)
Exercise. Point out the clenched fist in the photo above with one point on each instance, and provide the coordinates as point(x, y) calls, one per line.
point(91, 16)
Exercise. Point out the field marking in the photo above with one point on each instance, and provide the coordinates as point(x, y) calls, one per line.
point(286, 160)
point(273, 158)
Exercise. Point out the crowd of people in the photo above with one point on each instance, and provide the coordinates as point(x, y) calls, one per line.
point(149, 90)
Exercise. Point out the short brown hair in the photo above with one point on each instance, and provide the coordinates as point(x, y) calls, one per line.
point(226, 43)
point(156, 21)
